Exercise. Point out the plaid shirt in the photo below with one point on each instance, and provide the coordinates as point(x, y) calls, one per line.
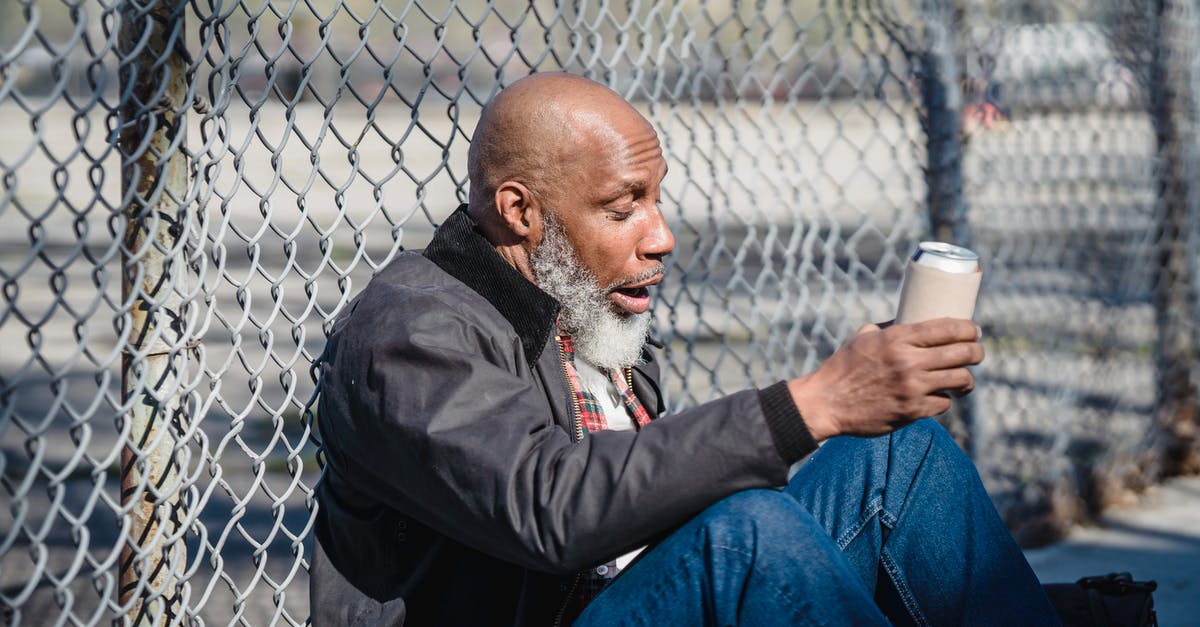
point(590, 412)
point(590, 583)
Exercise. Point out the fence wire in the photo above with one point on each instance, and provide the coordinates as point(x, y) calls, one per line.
point(191, 191)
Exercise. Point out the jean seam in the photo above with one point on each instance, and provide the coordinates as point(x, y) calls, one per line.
point(917, 473)
point(791, 602)
point(910, 602)
point(848, 536)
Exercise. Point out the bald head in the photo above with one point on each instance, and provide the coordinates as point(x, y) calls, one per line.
point(560, 151)
point(538, 132)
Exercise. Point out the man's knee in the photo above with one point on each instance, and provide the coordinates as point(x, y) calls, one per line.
point(927, 434)
point(928, 440)
point(756, 520)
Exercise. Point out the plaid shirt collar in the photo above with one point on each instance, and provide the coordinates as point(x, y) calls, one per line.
point(591, 414)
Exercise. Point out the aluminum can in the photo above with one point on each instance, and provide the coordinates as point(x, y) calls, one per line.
point(946, 257)
point(941, 280)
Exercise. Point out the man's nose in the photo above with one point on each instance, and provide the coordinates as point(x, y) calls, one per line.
point(659, 241)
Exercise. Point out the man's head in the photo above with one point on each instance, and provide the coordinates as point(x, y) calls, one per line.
point(565, 182)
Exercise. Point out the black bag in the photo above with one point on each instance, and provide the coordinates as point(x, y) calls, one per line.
point(1112, 600)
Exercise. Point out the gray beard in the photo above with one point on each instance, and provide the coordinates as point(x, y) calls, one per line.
point(601, 336)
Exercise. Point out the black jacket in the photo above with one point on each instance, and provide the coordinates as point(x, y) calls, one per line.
point(454, 491)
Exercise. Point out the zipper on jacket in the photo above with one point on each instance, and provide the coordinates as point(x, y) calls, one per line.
point(577, 423)
point(570, 593)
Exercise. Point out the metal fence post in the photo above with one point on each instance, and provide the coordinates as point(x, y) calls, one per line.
point(154, 186)
point(941, 95)
point(1170, 101)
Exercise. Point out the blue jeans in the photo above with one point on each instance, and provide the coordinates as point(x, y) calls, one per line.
point(896, 528)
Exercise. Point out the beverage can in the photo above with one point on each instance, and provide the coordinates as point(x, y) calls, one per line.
point(946, 257)
point(941, 281)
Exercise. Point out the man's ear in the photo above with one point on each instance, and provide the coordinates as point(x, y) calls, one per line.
point(519, 210)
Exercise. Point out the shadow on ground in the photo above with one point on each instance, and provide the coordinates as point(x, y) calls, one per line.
point(1158, 539)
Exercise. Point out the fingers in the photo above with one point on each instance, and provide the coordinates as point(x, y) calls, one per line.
point(934, 405)
point(889, 375)
point(939, 332)
point(938, 344)
point(867, 328)
point(952, 355)
point(957, 381)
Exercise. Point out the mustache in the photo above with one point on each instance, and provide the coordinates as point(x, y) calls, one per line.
point(656, 272)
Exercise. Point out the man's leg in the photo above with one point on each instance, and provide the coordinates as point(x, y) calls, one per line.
point(754, 558)
point(915, 523)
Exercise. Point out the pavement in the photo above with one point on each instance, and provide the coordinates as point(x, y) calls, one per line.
point(1157, 538)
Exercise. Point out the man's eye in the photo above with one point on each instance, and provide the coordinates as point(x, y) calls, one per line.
point(622, 211)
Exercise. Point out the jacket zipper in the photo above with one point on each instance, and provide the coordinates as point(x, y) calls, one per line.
point(576, 420)
point(577, 423)
point(562, 610)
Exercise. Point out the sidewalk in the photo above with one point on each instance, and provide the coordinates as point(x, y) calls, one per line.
point(1158, 539)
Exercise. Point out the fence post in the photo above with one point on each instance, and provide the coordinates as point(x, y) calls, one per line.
point(941, 95)
point(1171, 102)
point(154, 179)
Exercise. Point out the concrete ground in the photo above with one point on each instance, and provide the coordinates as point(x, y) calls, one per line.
point(1157, 539)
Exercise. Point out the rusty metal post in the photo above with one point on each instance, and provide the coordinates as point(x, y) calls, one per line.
point(154, 99)
point(1177, 417)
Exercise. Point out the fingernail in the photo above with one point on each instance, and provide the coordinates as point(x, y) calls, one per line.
point(978, 333)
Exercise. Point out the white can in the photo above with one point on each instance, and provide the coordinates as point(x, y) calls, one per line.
point(940, 281)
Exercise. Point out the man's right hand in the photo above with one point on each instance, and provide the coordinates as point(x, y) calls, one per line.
point(884, 378)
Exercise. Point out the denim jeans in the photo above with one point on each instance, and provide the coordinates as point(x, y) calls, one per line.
point(896, 528)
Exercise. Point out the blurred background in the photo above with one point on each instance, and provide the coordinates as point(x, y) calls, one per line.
point(191, 191)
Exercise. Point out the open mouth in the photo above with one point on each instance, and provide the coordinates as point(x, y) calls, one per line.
point(634, 292)
point(634, 300)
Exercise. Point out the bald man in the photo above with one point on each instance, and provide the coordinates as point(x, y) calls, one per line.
point(496, 452)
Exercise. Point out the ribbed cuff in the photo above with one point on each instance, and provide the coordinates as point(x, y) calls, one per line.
point(791, 435)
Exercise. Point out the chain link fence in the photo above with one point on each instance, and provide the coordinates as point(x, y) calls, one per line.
point(192, 190)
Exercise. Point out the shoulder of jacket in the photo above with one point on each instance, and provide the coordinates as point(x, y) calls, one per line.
point(412, 291)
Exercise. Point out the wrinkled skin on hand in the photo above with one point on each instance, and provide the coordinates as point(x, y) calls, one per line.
point(887, 376)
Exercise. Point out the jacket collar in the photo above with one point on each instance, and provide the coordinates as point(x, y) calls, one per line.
point(464, 253)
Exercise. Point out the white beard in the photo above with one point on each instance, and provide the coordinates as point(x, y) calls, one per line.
point(601, 336)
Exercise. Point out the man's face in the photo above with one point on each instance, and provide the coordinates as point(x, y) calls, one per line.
point(609, 211)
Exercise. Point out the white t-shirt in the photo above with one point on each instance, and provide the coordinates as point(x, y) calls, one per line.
point(607, 394)
point(599, 385)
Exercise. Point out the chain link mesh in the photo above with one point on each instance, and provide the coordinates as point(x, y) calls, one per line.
point(191, 191)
